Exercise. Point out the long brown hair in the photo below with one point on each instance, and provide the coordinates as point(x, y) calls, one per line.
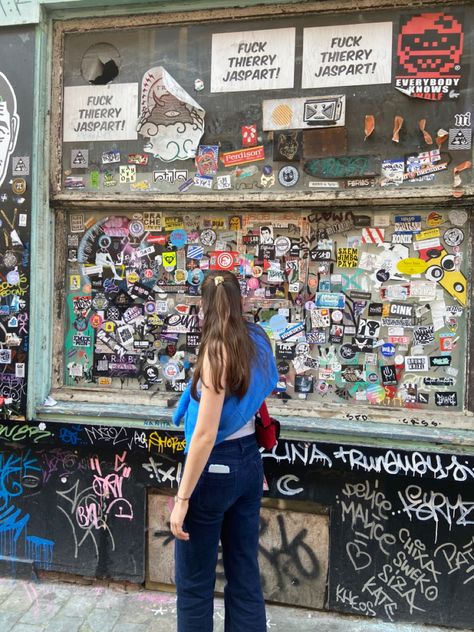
point(225, 337)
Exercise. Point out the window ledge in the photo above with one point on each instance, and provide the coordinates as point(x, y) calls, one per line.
point(368, 433)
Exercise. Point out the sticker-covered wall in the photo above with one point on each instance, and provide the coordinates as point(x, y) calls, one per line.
point(16, 130)
point(366, 308)
point(366, 102)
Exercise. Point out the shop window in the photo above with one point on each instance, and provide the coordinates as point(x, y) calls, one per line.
point(181, 162)
point(362, 308)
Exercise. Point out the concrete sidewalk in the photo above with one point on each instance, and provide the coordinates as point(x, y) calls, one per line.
point(31, 606)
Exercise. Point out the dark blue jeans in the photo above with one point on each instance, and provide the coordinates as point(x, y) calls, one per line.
point(223, 507)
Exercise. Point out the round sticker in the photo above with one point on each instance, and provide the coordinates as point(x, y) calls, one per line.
point(179, 238)
point(96, 321)
point(133, 277)
point(373, 378)
point(388, 350)
point(19, 186)
point(151, 374)
point(150, 307)
point(148, 273)
point(136, 228)
point(375, 393)
point(267, 170)
point(382, 275)
point(453, 236)
point(282, 245)
point(336, 315)
point(347, 352)
point(208, 237)
point(180, 275)
point(195, 277)
point(288, 176)
point(171, 371)
point(309, 305)
point(277, 322)
point(225, 261)
point(253, 283)
point(399, 360)
point(104, 241)
point(13, 277)
point(257, 271)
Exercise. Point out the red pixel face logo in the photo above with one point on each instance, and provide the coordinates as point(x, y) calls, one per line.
point(430, 45)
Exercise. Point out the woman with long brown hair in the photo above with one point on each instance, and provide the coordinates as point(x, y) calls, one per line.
point(220, 491)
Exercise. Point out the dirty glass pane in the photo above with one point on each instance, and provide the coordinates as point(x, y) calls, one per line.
point(362, 307)
point(362, 102)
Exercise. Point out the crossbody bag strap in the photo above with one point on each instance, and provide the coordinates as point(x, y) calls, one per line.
point(264, 416)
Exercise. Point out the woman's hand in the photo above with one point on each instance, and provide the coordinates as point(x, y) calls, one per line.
point(177, 518)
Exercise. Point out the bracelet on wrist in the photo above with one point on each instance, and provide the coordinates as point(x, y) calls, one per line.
point(177, 497)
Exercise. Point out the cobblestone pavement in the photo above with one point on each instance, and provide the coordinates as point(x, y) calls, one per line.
point(34, 606)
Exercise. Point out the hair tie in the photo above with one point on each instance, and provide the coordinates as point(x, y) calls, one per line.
point(218, 280)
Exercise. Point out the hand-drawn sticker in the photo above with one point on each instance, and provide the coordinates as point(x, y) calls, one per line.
point(288, 176)
point(127, 173)
point(207, 160)
point(287, 146)
point(10, 121)
point(453, 236)
point(342, 166)
point(169, 117)
point(458, 218)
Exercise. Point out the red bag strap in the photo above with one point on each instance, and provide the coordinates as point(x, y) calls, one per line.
point(264, 416)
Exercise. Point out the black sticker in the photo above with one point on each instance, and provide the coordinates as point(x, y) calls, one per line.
point(285, 350)
point(347, 352)
point(389, 375)
point(382, 276)
point(375, 309)
point(423, 398)
point(440, 361)
point(363, 344)
point(450, 398)
point(304, 384)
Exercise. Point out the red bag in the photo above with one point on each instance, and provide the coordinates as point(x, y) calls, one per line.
point(267, 429)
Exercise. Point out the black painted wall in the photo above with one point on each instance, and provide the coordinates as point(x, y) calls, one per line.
point(401, 534)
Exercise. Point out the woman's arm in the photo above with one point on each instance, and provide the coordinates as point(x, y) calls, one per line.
point(202, 442)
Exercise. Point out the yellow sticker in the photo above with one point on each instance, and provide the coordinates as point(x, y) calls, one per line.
point(74, 281)
point(172, 223)
point(347, 258)
point(104, 381)
point(412, 265)
point(169, 259)
point(428, 234)
point(435, 219)
point(133, 277)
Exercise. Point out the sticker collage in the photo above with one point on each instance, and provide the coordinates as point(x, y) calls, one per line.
point(360, 307)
